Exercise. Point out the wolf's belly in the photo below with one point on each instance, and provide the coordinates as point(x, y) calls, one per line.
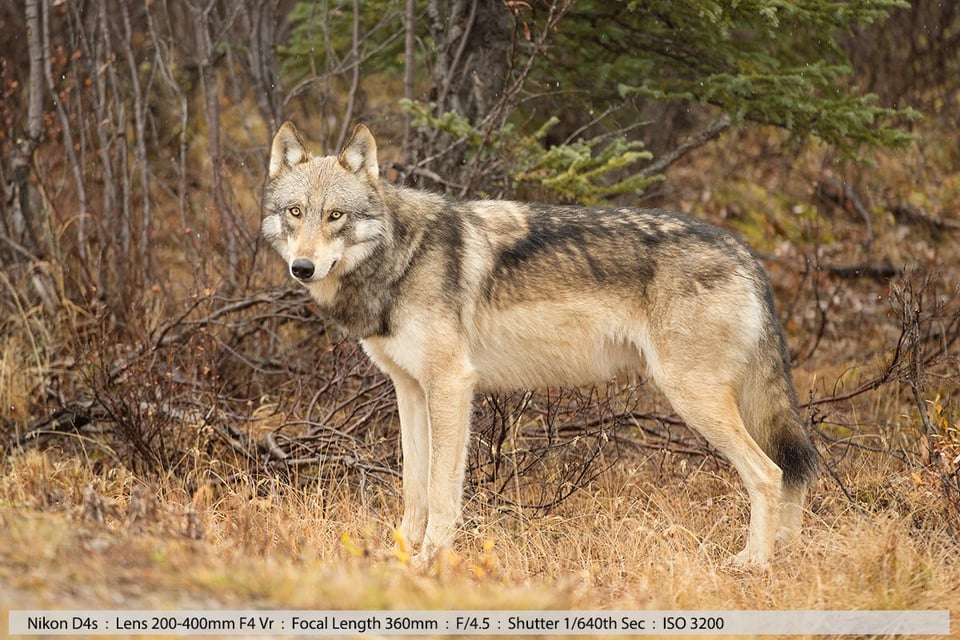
point(553, 345)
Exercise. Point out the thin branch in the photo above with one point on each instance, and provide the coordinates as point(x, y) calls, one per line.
point(355, 80)
point(409, 74)
point(695, 141)
point(68, 137)
point(910, 214)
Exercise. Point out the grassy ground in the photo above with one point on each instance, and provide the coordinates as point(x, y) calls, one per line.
point(635, 539)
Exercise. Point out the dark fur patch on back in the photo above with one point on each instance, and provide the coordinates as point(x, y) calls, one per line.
point(610, 246)
point(450, 235)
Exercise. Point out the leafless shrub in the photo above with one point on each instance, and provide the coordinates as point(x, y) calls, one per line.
point(534, 449)
point(922, 360)
point(131, 291)
point(930, 323)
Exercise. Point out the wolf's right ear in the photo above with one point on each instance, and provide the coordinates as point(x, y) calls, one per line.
point(288, 149)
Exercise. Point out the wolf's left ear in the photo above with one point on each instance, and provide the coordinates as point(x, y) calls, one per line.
point(287, 150)
point(360, 153)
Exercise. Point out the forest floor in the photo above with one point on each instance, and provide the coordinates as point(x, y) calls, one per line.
point(654, 529)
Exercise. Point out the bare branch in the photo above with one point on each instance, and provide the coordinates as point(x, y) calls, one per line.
point(695, 141)
point(76, 167)
point(355, 78)
point(409, 73)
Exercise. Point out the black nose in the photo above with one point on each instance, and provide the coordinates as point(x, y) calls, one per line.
point(302, 269)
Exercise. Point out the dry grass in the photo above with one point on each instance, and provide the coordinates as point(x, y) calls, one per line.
point(633, 540)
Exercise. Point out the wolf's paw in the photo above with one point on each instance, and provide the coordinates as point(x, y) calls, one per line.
point(749, 558)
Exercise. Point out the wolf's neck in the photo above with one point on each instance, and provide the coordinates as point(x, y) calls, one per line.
point(365, 297)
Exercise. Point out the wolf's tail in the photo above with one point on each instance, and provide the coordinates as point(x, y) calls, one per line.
point(770, 410)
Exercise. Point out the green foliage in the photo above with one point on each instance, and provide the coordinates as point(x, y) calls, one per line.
point(767, 61)
point(321, 38)
point(450, 122)
point(774, 62)
point(584, 171)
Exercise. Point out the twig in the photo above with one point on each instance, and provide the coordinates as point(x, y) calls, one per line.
point(877, 270)
point(909, 213)
point(63, 421)
point(409, 169)
point(695, 141)
point(355, 80)
point(274, 449)
point(842, 195)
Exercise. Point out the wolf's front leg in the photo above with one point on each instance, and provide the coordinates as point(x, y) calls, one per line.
point(448, 405)
point(415, 444)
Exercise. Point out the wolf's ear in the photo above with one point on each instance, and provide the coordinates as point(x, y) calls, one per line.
point(287, 150)
point(360, 153)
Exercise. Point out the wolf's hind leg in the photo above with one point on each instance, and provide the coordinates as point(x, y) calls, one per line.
point(791, 511)
point(711, 409)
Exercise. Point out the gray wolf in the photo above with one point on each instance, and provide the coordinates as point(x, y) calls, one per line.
point(450, 298)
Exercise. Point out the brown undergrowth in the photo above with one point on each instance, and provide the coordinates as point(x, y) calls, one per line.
point(206, 443)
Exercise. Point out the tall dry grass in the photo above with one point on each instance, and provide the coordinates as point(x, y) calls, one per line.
point(634, 539)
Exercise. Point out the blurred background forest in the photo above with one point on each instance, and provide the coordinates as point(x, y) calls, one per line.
point(143, 324)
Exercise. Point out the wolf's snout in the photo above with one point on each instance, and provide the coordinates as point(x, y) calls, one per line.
point(302, 269)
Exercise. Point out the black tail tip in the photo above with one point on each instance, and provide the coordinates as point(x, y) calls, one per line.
point(798, 459)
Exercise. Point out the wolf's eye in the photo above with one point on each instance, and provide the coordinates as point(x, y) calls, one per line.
point(336, 214)
point(294, 211)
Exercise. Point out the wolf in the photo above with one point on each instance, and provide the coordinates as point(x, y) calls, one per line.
point(450, 298)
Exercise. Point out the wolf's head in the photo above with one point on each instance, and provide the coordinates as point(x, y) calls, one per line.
point(322, 215)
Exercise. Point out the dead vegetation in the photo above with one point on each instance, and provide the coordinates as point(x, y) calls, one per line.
point(179, 427)
point(241, 452)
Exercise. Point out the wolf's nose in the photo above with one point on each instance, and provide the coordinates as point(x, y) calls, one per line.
point(302, 269)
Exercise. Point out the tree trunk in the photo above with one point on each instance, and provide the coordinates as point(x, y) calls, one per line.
point(22, 220)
